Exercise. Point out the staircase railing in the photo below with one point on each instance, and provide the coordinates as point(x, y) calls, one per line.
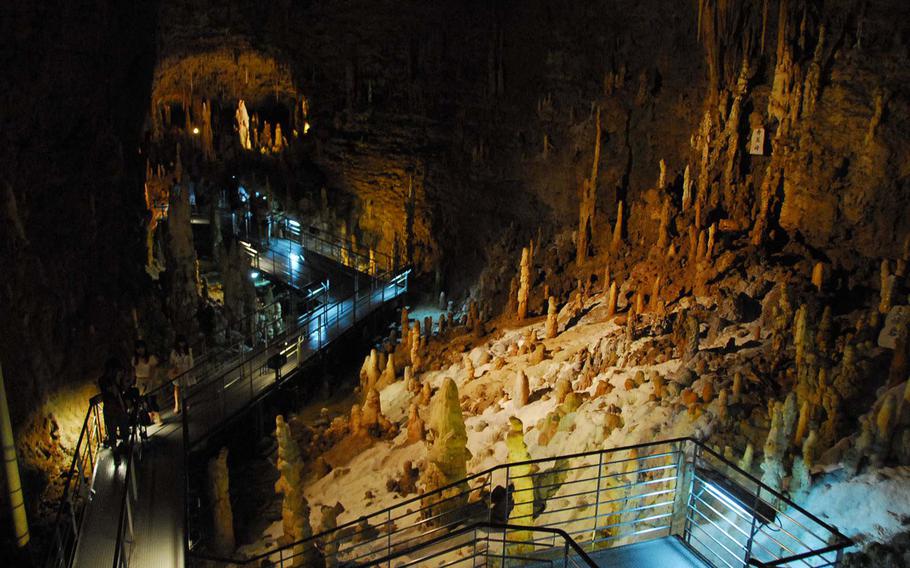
point(128, 497)
point(600, 499)
point(77, 489)
point(488, 543)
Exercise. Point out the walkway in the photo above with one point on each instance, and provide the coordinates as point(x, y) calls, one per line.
point(226, 389)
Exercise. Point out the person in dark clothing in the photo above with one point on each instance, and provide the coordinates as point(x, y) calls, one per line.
point(116, 420)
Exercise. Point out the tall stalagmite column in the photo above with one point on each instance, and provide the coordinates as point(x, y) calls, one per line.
point(220, 500)
point(524, 287)
point(295, 511)
point(588, 201)
point(11, 469)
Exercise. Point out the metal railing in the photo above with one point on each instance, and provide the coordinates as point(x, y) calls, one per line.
point(213, 397)
point(600, 499)
point(488, 543)
point(129, 496)
point(342, 250)
point(77, 490)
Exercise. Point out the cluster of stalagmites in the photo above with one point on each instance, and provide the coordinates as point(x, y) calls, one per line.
point(764, 364)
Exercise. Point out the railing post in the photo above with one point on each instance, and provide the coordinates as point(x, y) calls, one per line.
point(752, 531)
point(509, 505)
point(600, 463)
point(679, 522)
point(388, 550)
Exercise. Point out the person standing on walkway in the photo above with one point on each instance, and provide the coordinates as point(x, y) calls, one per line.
point(181, 361)
point(144, 366)
point(116, 421)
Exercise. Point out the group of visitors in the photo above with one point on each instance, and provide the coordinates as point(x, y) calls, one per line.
point(128, 391)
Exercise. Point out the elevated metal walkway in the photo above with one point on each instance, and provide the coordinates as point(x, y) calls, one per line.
point(133, 514)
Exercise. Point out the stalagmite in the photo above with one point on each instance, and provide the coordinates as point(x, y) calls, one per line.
point(588, 201)
point(523, 486)
point(388, 375)
point(888, 282)
point(447, 456)
point(687, 189)
point(405, 323)
point(737, 385)
point(295, 511)
point(783, 420)
point(416, 427)
point(522, 389)
point(617, 231)
point(803, 424)
point(373, 373)
point(611, 301)
point(745, 463)
point(818, 275)
point(552, 322)
point(663, 231)
point(468, 368)
point(525, 284)
point(639, 303)
point(709, 251)
point(654, 300)
point(220, 504)
point(243, 125)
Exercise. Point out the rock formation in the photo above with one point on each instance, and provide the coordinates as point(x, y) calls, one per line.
point(295, 511)
point(220, 503)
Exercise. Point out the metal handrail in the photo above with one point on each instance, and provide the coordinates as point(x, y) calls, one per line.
point(325, 316)
point(639, 512)
point(68, 520)
point(125, 519)
point(569, 541)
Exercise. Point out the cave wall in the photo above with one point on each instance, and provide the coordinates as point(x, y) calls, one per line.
point(468, 117)
point(75, 95)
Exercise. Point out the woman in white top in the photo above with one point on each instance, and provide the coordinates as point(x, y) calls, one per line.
point(144, 365)
point(181, 361)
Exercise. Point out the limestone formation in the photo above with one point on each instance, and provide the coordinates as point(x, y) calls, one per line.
point(588, 201)
point(818, 276)
point(243, 125)
point(220, 503)
point(522, 390)
point(525, 284)
point(372, 420)
point(888, 282)
point(616, 241)
point(523, 485)
point(388, 375)
point(552, 322)
point(611, 300)
point(416, 427)
point(468, 364)
point(295, 511)
point(448, 454)
point(783, 420)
